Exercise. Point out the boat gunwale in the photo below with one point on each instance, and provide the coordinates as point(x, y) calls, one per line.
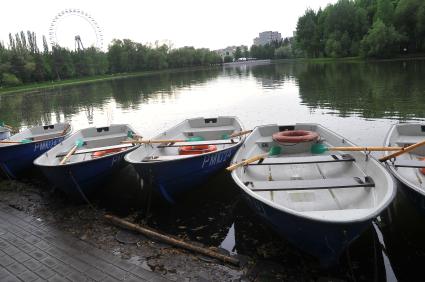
point(387, 199)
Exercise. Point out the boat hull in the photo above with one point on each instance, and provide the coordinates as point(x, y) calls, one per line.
point(171, 178)
point(15, 159)
point(80, 180)
point(323, 240)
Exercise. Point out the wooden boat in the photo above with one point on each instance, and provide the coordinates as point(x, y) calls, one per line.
point(18, 152)
point(4, 132)
point(175, 167)
point(409, 168)
point(319, 202)
point(84, 160)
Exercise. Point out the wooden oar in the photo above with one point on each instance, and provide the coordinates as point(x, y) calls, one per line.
point(6, 126)
point(68, 125)
point(275, 150)
point(319, 148)
point(236, 134)
point(163, 141)
point(23, 141)
point(402, 151)
point(78, 144)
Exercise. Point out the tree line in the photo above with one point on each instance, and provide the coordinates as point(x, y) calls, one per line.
point(22, 61)
point(368, 28)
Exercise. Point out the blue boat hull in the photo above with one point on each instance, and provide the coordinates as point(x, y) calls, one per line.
point(171, 178)
point(80, 180)
point(15, 159)
point(323, 240)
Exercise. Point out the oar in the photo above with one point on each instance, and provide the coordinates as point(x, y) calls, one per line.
point(319, 148)
point(23, 141)
point(6, 126)
point(163, 141)
point(402, 151)
point(274, 151)
point(236, 134)
point(78, 144)
point(67, 126)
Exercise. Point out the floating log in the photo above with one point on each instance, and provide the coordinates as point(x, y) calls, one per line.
point(169, 240)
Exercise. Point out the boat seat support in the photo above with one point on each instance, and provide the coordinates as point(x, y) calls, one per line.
point(311, 184)
point(305, 160)
point(409, 163)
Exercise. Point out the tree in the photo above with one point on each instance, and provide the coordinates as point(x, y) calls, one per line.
point(238, 53)
point(385, 12)
point(307, 33)
point(381, 41)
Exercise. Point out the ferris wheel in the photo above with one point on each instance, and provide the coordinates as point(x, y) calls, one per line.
point(71, 27)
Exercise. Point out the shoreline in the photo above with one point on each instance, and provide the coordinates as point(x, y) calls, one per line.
point(35, 87)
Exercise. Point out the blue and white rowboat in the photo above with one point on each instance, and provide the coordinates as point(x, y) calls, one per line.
point(101, 152)
point(409, 168)
point(18, 152)
point(171, 173)
point(319, 202)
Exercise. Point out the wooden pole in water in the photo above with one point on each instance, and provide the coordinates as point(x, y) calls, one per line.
point(169, 240)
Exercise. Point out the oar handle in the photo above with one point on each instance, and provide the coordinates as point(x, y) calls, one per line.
point(240, 133)
point(402, 151)
point(10, 142)
point(373, 148)
point(67, 126)
point(153, 141)
point(247, 161)
point(72, 151)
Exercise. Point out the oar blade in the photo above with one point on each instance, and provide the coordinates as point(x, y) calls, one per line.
point(275, 151)
point(318, 148)
point(79, 143)
point(195, 138)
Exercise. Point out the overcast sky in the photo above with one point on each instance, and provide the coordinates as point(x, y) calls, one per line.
point(211, 24)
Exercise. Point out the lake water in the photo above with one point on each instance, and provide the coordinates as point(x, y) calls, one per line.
point(358, 100)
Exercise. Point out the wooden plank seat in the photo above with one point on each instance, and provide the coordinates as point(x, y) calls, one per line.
point(105, 137)
point(409, 163)
point(196, 143)
point(310, 184)
point(165, 158)
point(305, 160)
point(193, 131)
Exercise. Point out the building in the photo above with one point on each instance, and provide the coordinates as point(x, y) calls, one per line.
point(229, 51)
point(266, 37)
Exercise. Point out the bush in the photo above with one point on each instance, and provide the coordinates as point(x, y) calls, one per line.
point(228, 59)
point(9, 79)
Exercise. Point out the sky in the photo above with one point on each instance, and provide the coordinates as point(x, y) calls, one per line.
point(199, 23)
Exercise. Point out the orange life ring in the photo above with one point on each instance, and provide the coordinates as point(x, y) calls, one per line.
point(422, 170)
point(99, 154)
point(197, 150)
point(295, 136)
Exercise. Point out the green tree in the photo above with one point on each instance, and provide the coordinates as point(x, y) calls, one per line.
point(238, 53)
point(381, 41)
point(385, 12)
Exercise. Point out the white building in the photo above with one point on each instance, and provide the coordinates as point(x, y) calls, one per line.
point(266, 37)
point(229, 51)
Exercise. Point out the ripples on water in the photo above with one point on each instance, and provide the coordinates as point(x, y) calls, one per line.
point(353, 99)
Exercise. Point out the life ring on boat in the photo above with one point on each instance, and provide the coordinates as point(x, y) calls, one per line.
point(102, 153)
point(197, 150)
point(422, 170)
point(295, 136)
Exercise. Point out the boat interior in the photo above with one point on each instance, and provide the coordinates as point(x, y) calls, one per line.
point(333, 185)
point(194, 136)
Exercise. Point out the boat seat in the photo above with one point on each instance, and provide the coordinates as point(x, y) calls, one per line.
point(105, 137)
point(193, 131)
point(305, 160)
point(262, 140)
point(409, 140)
point(165, 158)
point(409, 163)
point(196, 143)
point(310, 184)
